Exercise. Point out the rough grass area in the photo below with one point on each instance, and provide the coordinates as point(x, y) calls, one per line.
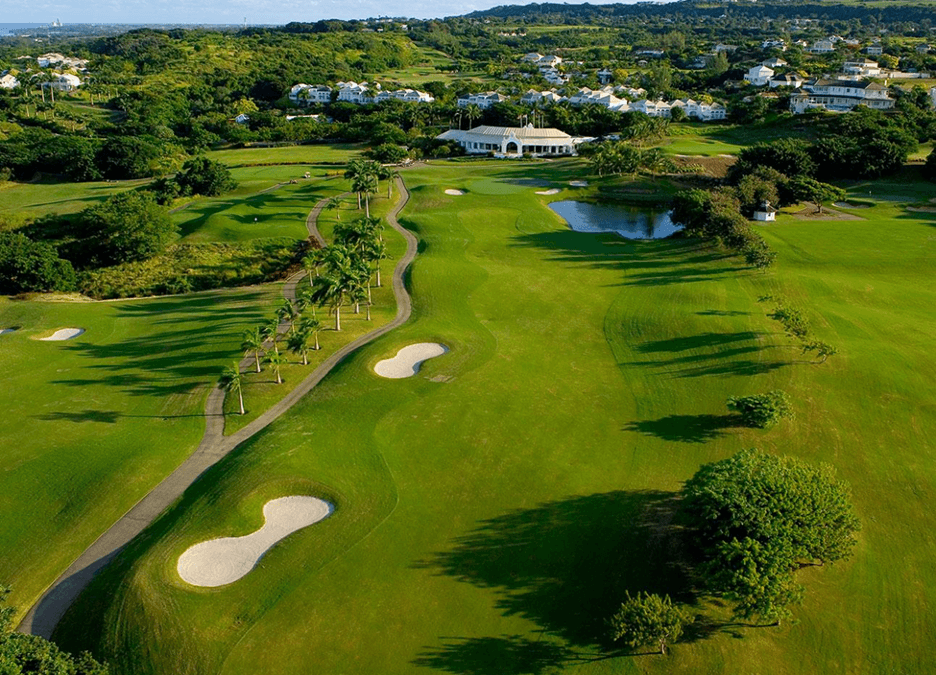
point(492, 511)
point(183, 268)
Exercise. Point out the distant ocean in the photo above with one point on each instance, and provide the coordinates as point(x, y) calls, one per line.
point(5, 28)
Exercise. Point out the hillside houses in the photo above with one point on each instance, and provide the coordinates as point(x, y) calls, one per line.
point(840, 96)
point(354, 92)
point(54, 59)
point(541, 98)
point(406, 95)
point(484, 100)
point(862, 68)
point(308, 94)
point(361, 93)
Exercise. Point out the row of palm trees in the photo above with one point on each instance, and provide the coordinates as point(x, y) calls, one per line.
point(339, 274)
point(620, 157)
point(365, 176)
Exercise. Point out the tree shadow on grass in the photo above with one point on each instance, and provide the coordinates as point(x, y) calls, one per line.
point(566, 565)
point(686, 428)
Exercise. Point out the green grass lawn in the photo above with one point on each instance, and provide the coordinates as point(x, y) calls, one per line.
point(90, 425)
point(291, 154)
point(18, 200)
point(493, 510)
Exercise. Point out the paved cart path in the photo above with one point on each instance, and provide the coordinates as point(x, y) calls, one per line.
point(46, 613)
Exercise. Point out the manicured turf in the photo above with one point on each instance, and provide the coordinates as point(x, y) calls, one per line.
point(39, 199)
point(303, 154)
point(492, 511)
point(90, 425)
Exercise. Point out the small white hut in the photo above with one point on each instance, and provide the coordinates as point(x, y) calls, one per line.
point(765, 212)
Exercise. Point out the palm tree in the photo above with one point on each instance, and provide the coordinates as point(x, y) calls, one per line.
point(472, 112)
point(358, 295)
point(365, 184)
point(269, 329)
point(313, 261)
point(313, 327)
point(331, 289)
point(353, 235)
point(334, 204)
point(288, 313)
point(253, 342)
point(277, 361)
point(232, 381)
point(375, 252)
point(299, 345)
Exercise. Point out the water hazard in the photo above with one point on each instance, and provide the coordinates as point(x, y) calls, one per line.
point(629, 221)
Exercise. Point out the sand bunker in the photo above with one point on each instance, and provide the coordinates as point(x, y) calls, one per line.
point(551, 191)
point(849, 205)
point(578, 183)
point(222, 561)
point(408, 360)
point(454, 192)
point(63, 334)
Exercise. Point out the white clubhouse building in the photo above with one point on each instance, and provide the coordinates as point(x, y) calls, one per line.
point(512, 141)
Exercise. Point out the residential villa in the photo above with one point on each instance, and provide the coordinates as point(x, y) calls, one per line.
point(354, 92)
point(8, 81)
point(840, 96)
point(512, 141)
point(789, 80)
point(307, 94)
point(484, 100)
point(541, 98)
point(652, 108)
point(699, 110)
point(63, 82)
point(774, 44)
point(862, 68)
point(874, 49)
point(603, 97)
point(55, 59)
point(759, 76)
point(774, 63)
point(826, 46)
point(407, 95)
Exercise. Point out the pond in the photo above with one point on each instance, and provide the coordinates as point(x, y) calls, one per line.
point(628, 220)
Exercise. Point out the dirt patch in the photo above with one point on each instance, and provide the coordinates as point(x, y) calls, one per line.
point(717, 167)
point(810, 213)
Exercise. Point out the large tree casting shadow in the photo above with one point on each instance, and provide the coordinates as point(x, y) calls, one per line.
point(566, 566)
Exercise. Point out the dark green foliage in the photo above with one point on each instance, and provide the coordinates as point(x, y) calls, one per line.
point(126, 227)
point(810, 190)
point(758, 518)
point(789, 156)
point(27, 265)
point(794, 321)
point(124, 157)
point(648, 619)
point(929, 169)
point(762, 410)
point(863, 144)
point(21, 654)
point(206, 177)
point(388, 153)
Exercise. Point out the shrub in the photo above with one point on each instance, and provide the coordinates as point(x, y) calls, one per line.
point(27, 265)
point(762, 410)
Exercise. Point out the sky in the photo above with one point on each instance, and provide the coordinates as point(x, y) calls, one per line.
point(232, 11)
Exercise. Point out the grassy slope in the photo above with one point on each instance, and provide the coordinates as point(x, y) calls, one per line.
point(487, 522)
point(88, 426)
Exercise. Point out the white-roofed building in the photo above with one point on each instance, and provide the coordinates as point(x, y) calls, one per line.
point(8, 81)
point(408, 95)
point(840, 96)
point(307, 94)
point(64, 82)
point(484, 100)
point(862, 67)
point(512, 141)
point(652, 108)
point(759, 75)
point(789, 80)
point(541, 98)
point(354, 92)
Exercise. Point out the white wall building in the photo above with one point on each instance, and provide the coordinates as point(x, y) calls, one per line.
point(862, 68)
point(874, 49)
point(541, 98)
point(840, 96)
point(759, 76)
point(8, 81)
point(408, 95)
point(354, 92)
point(307, 94)
point(789, 80)
point(765, 212)
point(64, 82)
point(484, 100)
point(512, 141)
point(825, 46)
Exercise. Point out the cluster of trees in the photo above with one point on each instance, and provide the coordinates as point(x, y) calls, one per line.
point(21, 654)
point(365, 177)
point(44, 255)
point(716, 215)
point(340, 274)
point(762, 411)
point(620, 157)
point(198, 176)
point(796, 324)
point(757, 519)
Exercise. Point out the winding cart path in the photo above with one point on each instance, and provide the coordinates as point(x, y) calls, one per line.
point(46, 613)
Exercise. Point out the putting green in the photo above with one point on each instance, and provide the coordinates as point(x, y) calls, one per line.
point(491, 513)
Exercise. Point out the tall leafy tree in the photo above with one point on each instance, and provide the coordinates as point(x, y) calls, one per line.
point(253, 341)
point(276, 361)
point(648, 619)
point(232, 381)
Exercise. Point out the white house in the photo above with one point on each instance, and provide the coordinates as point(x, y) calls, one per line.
point(604, 75)
point(759, 76)
point(8, 81)
point(630, 92)
point(512, 141)
point(825, 46)
point(840, 96)
point(603, 97)
point(774, 63)
point(64, 82)
point(765, 212)
point(408, 95)
point(652, 53)
point(549, 61)
point(774, 44)
point(874, 49)
point(540, 98)
point(862, 67)
point(243, 118)
point(532, 57)
point(652, 108)
point(554, 77)
point(56, 59)
point(354, 92)
point(789, 80)
point(484, 100)
point(699, 110)
point(307, 94)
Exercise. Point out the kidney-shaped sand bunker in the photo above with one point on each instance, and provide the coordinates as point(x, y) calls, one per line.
point(408, 360)
point(218, 562)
